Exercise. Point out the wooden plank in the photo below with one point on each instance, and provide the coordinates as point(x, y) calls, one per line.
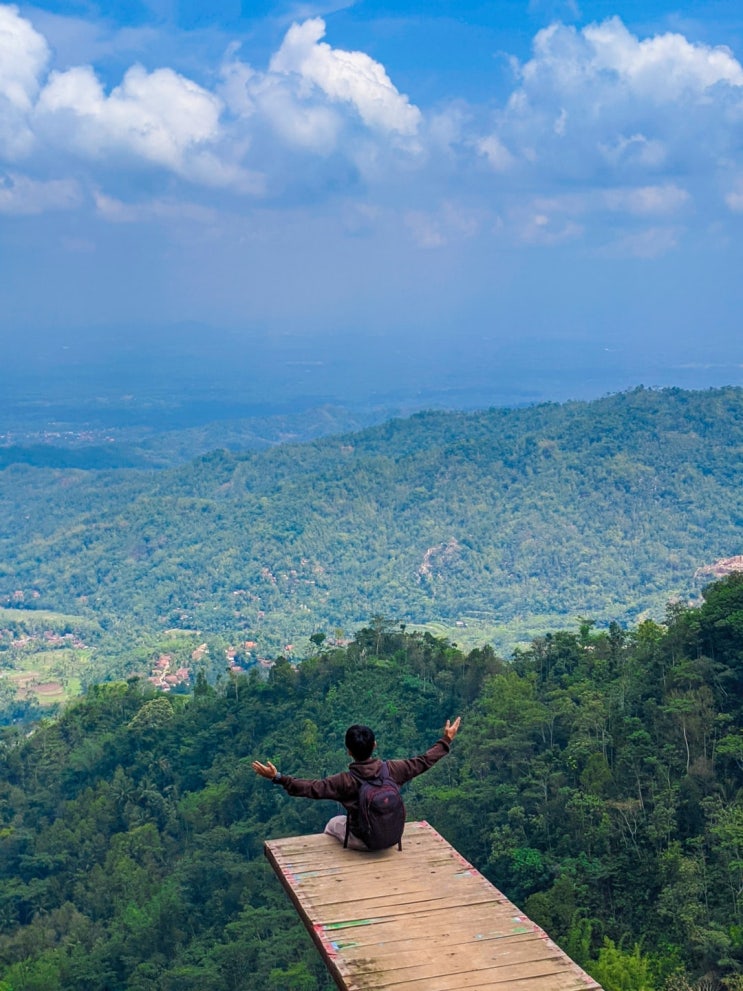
point(418, 920)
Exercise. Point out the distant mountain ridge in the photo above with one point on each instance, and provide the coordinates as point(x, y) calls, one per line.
point(110, 442)
point(521, 516)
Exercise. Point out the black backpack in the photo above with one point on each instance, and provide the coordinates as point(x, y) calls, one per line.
point(381, 811)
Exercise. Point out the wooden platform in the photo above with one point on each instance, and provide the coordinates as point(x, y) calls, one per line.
point(418, 920)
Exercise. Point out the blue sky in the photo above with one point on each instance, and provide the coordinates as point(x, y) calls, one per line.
point(553, 189)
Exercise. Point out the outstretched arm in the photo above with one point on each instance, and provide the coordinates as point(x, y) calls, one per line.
point(336, 788)
point(266, 770)
point(404, 770)
point(451, 729)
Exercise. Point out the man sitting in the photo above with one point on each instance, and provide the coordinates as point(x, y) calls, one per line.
point(344, 787)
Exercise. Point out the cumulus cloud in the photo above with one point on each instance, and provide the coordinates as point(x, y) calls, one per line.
point(661, 69)
point(161, 117)
point(605, 68)
point(352, 78)
point(214, 137)
point(24, 55)
point(314, 127)
point(601, 100)
point(158, 116)
point(600, 123)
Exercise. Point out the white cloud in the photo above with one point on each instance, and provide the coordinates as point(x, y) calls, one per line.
point(158, 116)
point(238, 79)
point(451, 221)
point(734, 198)
point(302, 124)
point(21, 195)
point(346, 77)
point(547, 229)
point(462, 220)
point(653, 242)
point(498, 156)
point(24, 55)
point(311, 98)
point(634, 152)
point(647, 200)
point(117, 211)
point(424, 229)
point(261, 100)
point(599, 120)
point(601, 97)
point(661, 69)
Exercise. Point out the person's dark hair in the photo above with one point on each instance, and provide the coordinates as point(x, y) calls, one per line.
point(359, 741)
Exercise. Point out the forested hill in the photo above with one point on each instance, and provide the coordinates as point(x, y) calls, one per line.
point(596, 780)
point(520, 517)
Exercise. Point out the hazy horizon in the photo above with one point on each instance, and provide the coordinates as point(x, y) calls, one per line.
point(367, 203)
point(165, 383)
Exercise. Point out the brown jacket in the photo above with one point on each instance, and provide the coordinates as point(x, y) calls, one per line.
point(344, 788)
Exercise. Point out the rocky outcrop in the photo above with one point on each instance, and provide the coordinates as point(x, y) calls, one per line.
point(725, 566)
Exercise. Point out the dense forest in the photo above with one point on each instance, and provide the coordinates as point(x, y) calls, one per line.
point(596, 780)
point(506, 522)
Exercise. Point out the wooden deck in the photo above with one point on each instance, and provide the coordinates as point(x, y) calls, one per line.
point(418, 920)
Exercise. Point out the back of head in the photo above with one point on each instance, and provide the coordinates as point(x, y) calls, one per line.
point(360, 741)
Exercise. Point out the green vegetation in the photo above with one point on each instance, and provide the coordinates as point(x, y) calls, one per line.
point(98, 444)
point(512, 522)
point(45, 659)
point(596, 780)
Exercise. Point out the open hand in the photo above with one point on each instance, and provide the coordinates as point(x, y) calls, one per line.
point(266, 770)
point(450, 730)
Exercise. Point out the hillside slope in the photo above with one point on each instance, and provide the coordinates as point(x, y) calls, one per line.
point(596, 780)
point(604, 509)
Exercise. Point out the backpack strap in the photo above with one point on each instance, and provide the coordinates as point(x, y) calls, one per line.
point(358, 779)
